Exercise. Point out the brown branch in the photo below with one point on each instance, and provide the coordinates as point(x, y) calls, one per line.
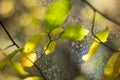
point(3, 26)
point(105, 16)
point(92, 30)
point(14, 43)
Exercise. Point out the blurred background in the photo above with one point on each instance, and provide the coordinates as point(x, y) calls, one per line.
point(24, 18)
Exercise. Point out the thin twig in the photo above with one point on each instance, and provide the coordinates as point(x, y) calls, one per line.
point(43, 52)
point(8, 47)
point(92, 30)
point(3, 26)
point(110, 19)
point(38, 68)
point(14, 43)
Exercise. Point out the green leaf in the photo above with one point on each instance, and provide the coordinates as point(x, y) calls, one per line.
point(92, 51)
point(74, 32)
point(8, 58)
point(33, 78)
point(57, 13)
point(49, 47)
point(18, 67)
point(103, 35)
point(33, 42)
point(56, 31)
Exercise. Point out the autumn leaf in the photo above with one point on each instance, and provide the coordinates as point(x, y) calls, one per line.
point(33, 42)
point(49, 47)
point(92, 51)
point(27, 60)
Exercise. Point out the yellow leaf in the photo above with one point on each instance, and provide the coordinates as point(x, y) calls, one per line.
point(33, 78)
point(93, 49)
point(33, 42)
point(109, 68)
point(18, 67)
point(27, 60)
point(56, 31)
point(49, 47)
point(103, 35)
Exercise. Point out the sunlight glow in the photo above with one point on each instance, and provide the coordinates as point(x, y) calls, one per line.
point(6, 7)
point(86, 58)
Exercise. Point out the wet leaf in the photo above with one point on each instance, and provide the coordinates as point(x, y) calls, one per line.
point(57, 13)
point(92, 51)
point(33, 42)
point(74, 32)
point(56, 31)
point(8, 58)
point(49, 47)
point(103, 35)
point(27, 60)
point(33, 78)
point(18, 67)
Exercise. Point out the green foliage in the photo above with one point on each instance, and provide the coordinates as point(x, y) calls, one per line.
point(55, 16)
point(18, 67)
point(103, 35)
point(33, 78)
point(49, 47)
point(74, 32)
point(57, 13)
point(8, 58)
point(33, 42)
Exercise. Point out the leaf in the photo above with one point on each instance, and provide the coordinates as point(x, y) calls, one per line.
point(33, 42)
point(112, 68)
point(27, 60)
point(103, 35)
point(57, 13)
point(109, 68)
point(8, 58)
point(33, 78)
point(18, 67)
point(56, 31)
point(92, 51)
point(74, 32)
point(49, 47)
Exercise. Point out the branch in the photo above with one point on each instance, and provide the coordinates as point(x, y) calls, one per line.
point(3, 26)
point(92, 30)
point(14, 43)
point(105, 16)
point(43, 52)
point(39, 69)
